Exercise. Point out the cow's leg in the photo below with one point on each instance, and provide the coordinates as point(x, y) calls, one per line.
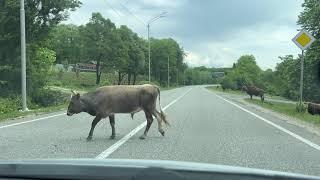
point(158, 116)
point(250, 96)
point(93, 125)
point(149, 122)
point(112, 122)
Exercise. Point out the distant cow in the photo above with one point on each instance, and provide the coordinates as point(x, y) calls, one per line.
point(252, 90)
point(313, 108)
point(109, 100)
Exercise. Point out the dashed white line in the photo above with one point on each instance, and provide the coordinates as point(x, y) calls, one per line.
point(116, 145)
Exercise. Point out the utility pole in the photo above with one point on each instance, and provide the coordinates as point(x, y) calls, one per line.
point(23, 57)
point(168, 73)
point(148, 26)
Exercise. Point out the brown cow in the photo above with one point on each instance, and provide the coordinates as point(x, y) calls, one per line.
point(109, 100)
point(313, 108)
point(252, 90)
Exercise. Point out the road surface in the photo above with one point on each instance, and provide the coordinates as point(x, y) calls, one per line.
point(205, 127)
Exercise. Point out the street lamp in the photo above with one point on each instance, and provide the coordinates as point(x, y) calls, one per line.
point(23, 57)
point(148, 27)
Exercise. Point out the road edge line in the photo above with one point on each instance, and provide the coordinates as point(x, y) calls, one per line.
point(33, 120)
point(300, 138)
point(124, 139)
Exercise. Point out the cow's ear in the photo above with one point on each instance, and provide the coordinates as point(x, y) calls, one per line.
point(78, 96)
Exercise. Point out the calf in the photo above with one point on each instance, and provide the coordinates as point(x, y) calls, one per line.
point(108, 100)
point(252, 90)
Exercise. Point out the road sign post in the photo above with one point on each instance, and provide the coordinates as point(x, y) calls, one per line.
point(303, 40)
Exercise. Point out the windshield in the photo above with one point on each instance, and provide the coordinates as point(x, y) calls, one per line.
point(224, 82)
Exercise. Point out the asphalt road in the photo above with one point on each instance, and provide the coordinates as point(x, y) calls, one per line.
point(205, 127)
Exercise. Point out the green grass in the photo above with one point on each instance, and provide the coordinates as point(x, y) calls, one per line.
point(15, 114)
point(214, 88)
point(287, 109)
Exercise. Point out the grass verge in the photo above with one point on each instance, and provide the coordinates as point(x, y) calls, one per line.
point(219, 89)
point(214, 88)
point(287, 109)
point(16, 114)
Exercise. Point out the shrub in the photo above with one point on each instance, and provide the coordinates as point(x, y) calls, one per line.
point(47, 97)
point(8, 105)
point(300, 107)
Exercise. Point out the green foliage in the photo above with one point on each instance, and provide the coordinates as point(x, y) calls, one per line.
point(8, 105)
point(39, 69)
point(244, 72)
point(47, 97)
point(300, 107)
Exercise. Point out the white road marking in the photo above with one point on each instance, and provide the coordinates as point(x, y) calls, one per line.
point(306, 141)
point(116, 145)
point(38, 119)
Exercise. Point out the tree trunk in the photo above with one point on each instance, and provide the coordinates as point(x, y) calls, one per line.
point(134, 78)
point(129, 78)
point(119, 78)
point(98, 71)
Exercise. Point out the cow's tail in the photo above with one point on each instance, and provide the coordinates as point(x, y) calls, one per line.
point(162, 114)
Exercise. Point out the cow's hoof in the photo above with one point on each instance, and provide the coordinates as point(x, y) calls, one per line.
point(89, 138)
point(112, 136)
point(162, 132)
point(142, 137)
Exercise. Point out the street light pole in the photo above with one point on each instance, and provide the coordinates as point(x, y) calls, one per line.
point(168, 73)
point(23, 57)
point(148, 26)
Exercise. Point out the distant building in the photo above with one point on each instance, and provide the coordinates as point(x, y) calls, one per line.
point(218, 74)
point(85, 67)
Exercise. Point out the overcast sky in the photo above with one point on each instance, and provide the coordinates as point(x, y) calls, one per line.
point(214, 33)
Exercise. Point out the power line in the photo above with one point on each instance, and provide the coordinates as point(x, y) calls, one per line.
point(127, 9)
point(108, 4)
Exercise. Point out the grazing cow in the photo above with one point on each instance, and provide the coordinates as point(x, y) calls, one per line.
point(109, 100)
point(252, 90)
point(313, 108)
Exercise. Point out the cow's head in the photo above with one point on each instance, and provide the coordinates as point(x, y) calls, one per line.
point(244, 88)
point(75, 105)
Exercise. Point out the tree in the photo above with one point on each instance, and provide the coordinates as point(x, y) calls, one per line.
point(309, 20)
point(65, 40)
point(41, 17)
point(99, 37)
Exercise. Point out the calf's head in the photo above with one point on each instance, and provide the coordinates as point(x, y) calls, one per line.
point(75, 105)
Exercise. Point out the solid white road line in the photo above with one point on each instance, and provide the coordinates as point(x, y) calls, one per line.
point(306, 141)
point(38, 119)
point(116, 145)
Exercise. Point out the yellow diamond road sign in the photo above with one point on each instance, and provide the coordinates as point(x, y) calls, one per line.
point(303, 39)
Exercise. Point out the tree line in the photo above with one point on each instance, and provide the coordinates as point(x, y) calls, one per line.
point(117, 50)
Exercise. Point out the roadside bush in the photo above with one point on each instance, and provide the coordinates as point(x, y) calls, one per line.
point(300, 107)
point(227, 83)
point(47, 97)
point(8, 105)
